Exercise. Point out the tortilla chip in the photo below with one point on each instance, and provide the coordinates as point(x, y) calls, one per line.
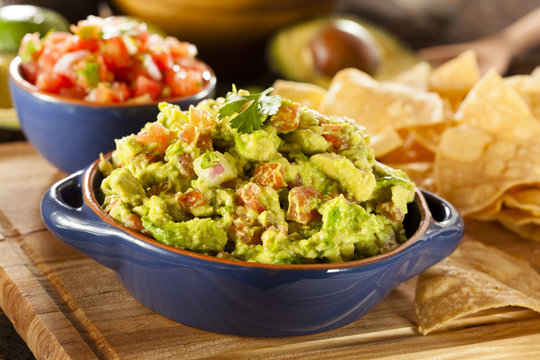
point(527, 231)
point(520, 202)
point(430, 136)
point(456, 77)
point(528, 87)
point(309, 95)
point(474, 278)
point(385, 141)
point(517, 217)
point(498, 109)
point(489, 212)
point(527, 199)
point(409, 151)
point(378, 105)
point(416, 77)
point(474, 168)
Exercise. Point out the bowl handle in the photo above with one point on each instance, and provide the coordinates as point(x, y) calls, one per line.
point(66, 217)
point(441, 238)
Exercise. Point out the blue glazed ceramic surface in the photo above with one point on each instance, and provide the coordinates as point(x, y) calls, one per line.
point(239, 298)
point(71, 134)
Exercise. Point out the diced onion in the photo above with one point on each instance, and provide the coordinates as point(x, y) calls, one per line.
point(216, 170)
point(130, 45)
point(151, 68)
point(63, 65)
point(222, 171)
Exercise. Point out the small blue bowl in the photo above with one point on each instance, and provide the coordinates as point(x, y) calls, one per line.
point(71, 134)
point(241, 298)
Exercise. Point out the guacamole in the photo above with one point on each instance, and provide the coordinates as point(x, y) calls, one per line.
point(257, 178)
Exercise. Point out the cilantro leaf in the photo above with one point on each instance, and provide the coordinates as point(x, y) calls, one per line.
point(251, 117)
point(248, 120)
point(232, 105)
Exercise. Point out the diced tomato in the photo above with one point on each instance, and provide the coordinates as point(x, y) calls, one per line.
point(336, 135)
point(48, 59)
point(180, 49)
point(189, 135)
point(105, 75)
point(120, 92)
point(75, 92)
point(204, 142)
point(161, 55)
point(158, 188)
point(55, 39)
point(287, 118)
point(192, 135)
point(191, 199)
point(111, 203)
point(121, 51)
point(100, 94)
point(249, 196)
point(270, 174)
point(128, 74)
point(115, 54)
point(79, 43)
point(182, 81)
point(156, 136)
point(303, 201)
point(144, 85)
point(54, 47)
point(246, 230)
point(391, 211)
point(185, 165)
point(134, 222)
point(105, 94)
point(47, 81)
point(201, 119)
point(30, 71)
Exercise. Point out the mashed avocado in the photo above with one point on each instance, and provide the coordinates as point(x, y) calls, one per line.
point(256, 178)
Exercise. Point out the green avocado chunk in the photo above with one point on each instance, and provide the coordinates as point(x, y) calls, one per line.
point(258, 146)
point(126, 186)
point(199, 234)
point(348, 231)
point(309, 141)
point(359, 182)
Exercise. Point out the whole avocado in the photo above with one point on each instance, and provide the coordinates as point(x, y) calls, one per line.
point(17, 20)
point(314, 50)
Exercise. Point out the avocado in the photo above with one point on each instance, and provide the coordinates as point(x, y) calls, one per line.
point(17, 20)
point(314, 50)
point(360, 183)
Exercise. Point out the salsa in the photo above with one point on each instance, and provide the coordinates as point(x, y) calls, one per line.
point(256, 178)
point(112, 60)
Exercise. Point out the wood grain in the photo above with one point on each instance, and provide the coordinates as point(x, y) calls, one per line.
point(67, 306)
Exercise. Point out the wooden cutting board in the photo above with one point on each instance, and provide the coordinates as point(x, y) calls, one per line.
point(67, 306)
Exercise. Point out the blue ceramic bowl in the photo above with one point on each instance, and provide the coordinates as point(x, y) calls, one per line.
point(72, 133)
point(240, 298)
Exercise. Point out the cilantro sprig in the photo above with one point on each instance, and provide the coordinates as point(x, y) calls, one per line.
point(251, 117)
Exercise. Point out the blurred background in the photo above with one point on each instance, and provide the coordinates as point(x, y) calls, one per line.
point(232, 36)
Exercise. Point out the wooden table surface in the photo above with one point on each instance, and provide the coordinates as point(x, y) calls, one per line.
point(66, 306)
